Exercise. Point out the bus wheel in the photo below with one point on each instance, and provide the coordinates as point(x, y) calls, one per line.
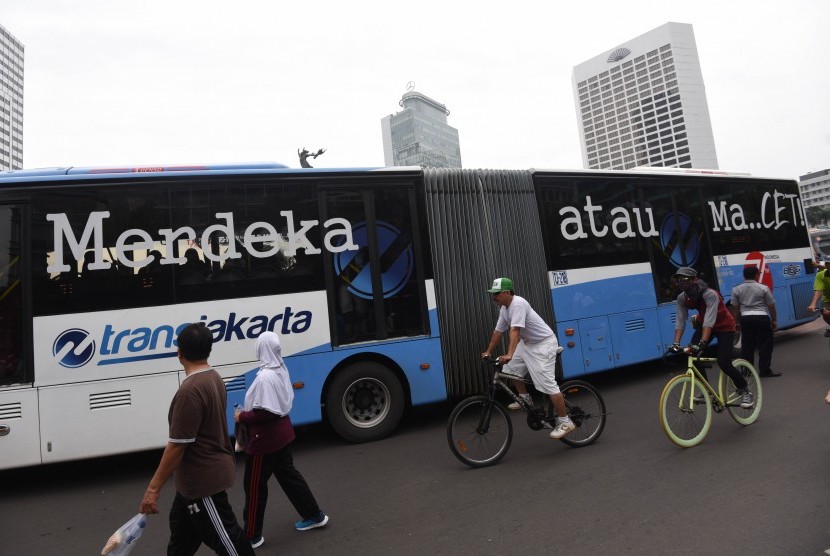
point(365, 401)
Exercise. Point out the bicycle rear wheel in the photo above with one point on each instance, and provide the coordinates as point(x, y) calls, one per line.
point(586, 409)
point(479, 431)
point(731, 397)
point(685, 420)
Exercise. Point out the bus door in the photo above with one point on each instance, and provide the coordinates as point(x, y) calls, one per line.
point(682, 241)
point(19, 427)
point(376, 283)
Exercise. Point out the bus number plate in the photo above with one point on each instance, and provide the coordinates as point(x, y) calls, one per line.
point(560, 278)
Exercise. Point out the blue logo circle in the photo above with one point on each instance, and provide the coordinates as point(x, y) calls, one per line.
point(396, 261)
point(74, 348)
point(679, 239)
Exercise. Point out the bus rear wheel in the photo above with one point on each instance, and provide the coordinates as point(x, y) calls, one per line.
point(365, 402)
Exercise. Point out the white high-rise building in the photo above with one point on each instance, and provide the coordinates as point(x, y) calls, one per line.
point(11, 101)
point(643, 103)
point(419, 135)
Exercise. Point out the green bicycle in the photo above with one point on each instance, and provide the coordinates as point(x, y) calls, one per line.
point(688, 400)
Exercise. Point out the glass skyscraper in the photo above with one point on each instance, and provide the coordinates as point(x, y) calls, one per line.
point(643, 103)
point(11, 101)
point(419, 135)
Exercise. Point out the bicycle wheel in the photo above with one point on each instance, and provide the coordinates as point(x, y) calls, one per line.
point(730, 394)
point(586, 409)
point(685, 420)
point(479, 432)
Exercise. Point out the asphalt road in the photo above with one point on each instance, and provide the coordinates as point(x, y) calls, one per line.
point(761, 489)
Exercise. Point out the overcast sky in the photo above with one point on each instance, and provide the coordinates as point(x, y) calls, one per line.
point(202, 81)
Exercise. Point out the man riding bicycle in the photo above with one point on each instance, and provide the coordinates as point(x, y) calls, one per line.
point(532, 347)
point(714, 319)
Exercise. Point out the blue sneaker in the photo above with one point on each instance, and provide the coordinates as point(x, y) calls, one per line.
point(319, 520)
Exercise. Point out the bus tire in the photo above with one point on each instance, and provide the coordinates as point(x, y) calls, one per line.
point(364, 402)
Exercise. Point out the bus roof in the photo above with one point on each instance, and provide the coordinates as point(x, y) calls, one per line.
point(72, 172)
point(130, 172)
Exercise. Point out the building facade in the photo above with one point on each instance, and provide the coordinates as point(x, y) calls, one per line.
point(643, 103)
point(815, 189)
point(11, 101)
point(419, 135)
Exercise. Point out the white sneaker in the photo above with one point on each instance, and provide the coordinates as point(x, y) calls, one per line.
point(563, 428)
point(515, 405)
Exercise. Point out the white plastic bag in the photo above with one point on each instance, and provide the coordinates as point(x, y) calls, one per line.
point(124, 539)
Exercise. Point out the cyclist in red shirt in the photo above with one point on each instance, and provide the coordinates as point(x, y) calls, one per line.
point(715, 320)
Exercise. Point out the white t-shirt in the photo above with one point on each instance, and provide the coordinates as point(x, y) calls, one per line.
point(520, 314)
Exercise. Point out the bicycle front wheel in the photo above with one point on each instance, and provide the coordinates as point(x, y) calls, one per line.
point(685, 415)
point(586, 409)
point(744, 416)
point(479, 431)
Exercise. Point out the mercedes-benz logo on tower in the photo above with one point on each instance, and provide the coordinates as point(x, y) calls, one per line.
point(73, 348)
point(410, 86)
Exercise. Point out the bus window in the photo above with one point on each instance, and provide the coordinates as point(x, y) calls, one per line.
point(226, 263)
point(771, 216)
point(101, 262)
point(593, 222)
point(12, 354)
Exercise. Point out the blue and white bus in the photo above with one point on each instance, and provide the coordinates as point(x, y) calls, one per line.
point(375, 280)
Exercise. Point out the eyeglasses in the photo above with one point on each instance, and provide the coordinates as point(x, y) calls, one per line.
point(684, 278)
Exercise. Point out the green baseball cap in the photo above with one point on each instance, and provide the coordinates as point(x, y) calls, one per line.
point(501, 285)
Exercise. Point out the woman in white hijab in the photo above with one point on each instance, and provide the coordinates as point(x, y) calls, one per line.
point(265, 412)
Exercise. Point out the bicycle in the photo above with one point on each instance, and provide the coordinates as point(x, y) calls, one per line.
point(688, 400)
point(480, 429)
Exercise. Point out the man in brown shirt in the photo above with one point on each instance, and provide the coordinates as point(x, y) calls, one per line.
point(200, 454)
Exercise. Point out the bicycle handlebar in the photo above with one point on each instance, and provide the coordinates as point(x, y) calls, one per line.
point(686, 351)
point(493, 361)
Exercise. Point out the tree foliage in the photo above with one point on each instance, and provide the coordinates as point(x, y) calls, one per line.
point(817, 216)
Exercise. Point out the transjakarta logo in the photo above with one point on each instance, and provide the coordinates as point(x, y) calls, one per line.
point(75, 348)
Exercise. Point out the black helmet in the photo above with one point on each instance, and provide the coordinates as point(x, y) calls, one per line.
point(686, 272)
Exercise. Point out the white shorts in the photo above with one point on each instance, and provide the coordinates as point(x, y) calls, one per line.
point(539, 360)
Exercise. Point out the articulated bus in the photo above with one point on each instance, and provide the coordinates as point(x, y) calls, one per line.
point(375, 280)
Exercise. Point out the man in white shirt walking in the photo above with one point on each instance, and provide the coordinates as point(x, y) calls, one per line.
point(532, 348)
